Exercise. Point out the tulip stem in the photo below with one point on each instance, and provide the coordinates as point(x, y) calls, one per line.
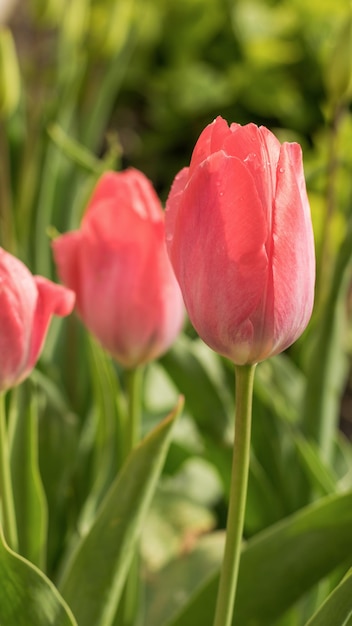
point(238, 494)
point(129, 605)
point(134, 401)
point(8, 517)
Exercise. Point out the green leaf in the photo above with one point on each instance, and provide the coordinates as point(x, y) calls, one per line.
point(327, 371)
point(320, 475)
point(28, 491)
point(93, 579)
point(281, 564)
point(74, 150)
point(337, 608)
point(197, 373)
point(27, 597)
point(180, 512)
point(108, 432)
point(167, 588)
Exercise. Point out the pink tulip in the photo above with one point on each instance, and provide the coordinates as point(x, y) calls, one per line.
point(240, 240)
point(26, 305)
point(117, 264)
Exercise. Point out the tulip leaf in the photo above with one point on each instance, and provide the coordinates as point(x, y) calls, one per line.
point(93, 578)
point(28, 491)
point(182, 576)
point(320, 475)
point(197, 373)
point(27, 597)
point(337, 608)
point(279, 565)
point(328, 367)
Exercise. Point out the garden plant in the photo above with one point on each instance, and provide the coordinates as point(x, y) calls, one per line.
point(175, 313)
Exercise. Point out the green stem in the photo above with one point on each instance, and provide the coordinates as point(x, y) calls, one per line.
point(129, 607)
point(134, 401)
point(238, 494)
point(6, 495)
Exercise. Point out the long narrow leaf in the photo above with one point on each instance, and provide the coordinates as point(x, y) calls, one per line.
point(337, 609)
point(280, 565)
point(29, 496)
point(27, 597)
point(328, 367)
point(93, 580)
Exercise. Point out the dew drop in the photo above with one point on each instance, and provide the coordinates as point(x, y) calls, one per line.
point(250, 157)
point(281, 170)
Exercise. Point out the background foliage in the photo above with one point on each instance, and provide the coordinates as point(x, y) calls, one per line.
point(87, 85)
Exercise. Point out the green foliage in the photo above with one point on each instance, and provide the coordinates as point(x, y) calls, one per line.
point(336, 611)
point(108, 545)
point(280, 564)
point(28, 598)
point(99, 85)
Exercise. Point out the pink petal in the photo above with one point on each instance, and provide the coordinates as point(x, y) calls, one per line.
point(173, 202)
point(66, 251)
point(129, 189)
point(17, 304)
point(210, 141)
point(221, 220)
point(293, 257)
point(52, 300)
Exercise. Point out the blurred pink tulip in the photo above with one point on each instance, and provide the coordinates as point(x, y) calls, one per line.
point(126, 291)
point(240, 240)
point(26, 305)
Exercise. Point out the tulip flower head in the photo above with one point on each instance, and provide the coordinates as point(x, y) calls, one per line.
point(117, 264)
point(26, 305)
point(240, 239)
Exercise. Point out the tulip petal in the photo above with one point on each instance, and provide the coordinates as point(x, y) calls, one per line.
point(17, 303)
point(210, 141)
point(121, 189)
point(293, 250)
point(52, 300)
point(221, 220)
point(173, 203)
point(26, 306)
point(259, 149)
point(66, 250)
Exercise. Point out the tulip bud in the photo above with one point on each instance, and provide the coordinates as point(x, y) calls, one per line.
point(240, 240)
point(27, 304)
point(10, 81)
point(116, 263)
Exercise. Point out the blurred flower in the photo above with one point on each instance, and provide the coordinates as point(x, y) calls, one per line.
point(26, 305)
point(117, 264)
point(240, 240)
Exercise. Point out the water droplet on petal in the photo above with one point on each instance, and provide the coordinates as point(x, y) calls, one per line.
point(281, 170)
point(250, 157)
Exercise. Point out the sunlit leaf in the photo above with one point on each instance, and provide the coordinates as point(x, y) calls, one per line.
point(280, 565)
point(93, 578)
point(27, 597)
point(337, 609)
